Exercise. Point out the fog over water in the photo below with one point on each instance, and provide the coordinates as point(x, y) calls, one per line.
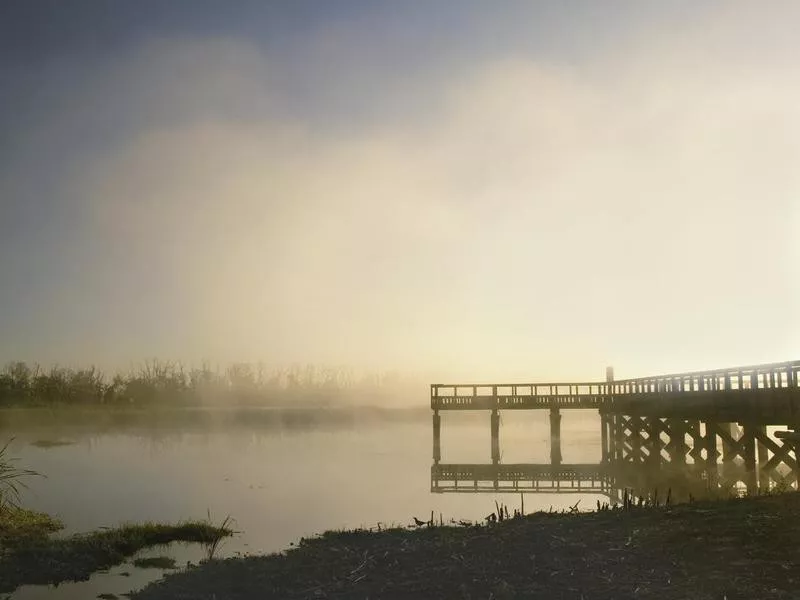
point(279, 483)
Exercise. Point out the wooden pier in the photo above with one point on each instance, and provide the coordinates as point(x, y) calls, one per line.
point(708, 424)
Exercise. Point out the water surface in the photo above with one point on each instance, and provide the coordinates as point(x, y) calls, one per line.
point(280, 480)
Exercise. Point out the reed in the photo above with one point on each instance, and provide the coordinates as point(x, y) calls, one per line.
point(12, 479)
point(223, 530)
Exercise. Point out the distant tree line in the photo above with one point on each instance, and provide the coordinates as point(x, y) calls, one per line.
point(169, 383)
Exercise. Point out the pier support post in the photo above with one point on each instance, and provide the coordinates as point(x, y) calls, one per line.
point(437, 440)
point(730, 470)
point(607, 422)
point(654, 443)
point(711, 455)
point(749, 455)
point(676, 448)
point(762, 456)
point(495, 423)
point(635, 427)
point(619, 438)
point(555, 436)
point(794, 449)
point(695, 441)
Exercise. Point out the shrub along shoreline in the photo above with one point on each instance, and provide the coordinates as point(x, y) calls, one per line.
point(171, 384)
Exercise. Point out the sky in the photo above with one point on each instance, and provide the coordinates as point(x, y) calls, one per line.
point(475, 190)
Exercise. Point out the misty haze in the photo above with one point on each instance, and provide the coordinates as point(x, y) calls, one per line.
point(374, 299)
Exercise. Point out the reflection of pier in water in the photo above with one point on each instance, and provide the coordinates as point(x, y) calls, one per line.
point(539, 478)
point(688, 432)
point(609, 479)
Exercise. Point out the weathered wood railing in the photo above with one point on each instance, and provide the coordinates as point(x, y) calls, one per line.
point(524, 396)
point(758, 377)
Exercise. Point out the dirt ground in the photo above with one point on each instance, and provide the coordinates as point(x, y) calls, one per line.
point(731, 549)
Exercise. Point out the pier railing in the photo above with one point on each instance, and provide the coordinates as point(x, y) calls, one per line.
point(757, 377)
point(516, 395)
point(773, 376)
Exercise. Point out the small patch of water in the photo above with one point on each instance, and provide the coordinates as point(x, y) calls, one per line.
point(117, 581)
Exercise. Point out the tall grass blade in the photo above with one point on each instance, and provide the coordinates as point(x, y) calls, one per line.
point(11, 479)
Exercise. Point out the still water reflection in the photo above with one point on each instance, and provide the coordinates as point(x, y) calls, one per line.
point(278, 483)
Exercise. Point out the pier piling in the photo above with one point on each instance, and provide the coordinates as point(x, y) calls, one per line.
point(555, 436)
point(495, 426)
point(437, 437)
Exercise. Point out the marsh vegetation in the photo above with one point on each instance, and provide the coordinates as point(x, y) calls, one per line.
point(165, 383)
point(12, 479)
point(29, 554)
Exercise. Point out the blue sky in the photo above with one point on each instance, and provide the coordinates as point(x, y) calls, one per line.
point(410, 185)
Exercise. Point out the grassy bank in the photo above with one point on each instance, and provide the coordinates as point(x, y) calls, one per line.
point(29, 554)
point(742, 548)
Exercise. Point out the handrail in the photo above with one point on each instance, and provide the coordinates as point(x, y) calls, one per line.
point(763, 376)
point(520, 384)
point(722, 371)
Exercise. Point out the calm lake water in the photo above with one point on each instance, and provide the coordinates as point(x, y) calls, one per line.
point(279, 480)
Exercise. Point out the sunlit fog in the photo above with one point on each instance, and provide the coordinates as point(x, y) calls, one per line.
point(531, 192)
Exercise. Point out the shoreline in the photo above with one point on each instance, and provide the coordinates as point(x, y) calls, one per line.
point(31, 555)
point(736, 548)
